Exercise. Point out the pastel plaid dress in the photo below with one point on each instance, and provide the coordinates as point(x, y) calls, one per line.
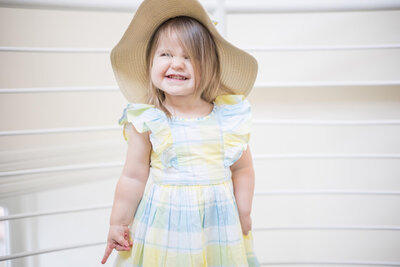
point(188, 216)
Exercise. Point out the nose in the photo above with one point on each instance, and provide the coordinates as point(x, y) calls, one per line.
point(177, 62)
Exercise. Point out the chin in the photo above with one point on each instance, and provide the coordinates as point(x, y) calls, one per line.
point(178, 93)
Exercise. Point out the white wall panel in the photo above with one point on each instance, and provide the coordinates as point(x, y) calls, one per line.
point(74, 189)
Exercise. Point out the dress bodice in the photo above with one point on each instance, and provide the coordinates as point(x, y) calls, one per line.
point(197, 150)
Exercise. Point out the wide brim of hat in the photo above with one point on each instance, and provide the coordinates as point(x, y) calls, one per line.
point(128, 57)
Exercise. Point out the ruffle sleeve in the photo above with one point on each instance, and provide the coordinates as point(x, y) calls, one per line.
point(139, 116)
point(145, 117)
point(236, 121)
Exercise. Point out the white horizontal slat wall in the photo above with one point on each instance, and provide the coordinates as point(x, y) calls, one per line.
point(92, 187)
point(329, 212)
point(67, 189)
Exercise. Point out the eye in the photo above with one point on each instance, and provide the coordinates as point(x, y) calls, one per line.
point(187, 57)
point(165, 54)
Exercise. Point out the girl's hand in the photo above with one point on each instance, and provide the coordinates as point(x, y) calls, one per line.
point(118, 238)
point(245, 222)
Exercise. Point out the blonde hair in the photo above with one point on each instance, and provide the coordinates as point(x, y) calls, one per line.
point(199, 44)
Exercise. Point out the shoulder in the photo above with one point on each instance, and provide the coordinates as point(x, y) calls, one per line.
point(233, 105)
point(134, 111)
point(231, 100)
point(141, 116)
point(139, 111)
point(233, 108)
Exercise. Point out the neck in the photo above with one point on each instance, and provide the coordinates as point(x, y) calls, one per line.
point(183, 102)
point(178, 105)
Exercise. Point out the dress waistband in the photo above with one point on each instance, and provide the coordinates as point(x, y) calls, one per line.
point(190, 183)
point(189, 178)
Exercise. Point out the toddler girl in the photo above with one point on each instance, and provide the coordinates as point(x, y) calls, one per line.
point(185, 194)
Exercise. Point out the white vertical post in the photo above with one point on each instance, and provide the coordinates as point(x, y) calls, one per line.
point(220, 17)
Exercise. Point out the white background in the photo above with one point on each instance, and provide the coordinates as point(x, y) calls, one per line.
point(74, 189)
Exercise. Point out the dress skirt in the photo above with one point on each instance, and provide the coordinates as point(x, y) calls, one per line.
point(188, 226)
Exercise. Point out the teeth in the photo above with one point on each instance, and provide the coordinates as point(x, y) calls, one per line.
point(177, 77)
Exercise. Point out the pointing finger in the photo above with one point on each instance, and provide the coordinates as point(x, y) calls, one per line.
point(107, 253)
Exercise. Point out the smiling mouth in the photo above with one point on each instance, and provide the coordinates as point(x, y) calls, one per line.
point(177, 77)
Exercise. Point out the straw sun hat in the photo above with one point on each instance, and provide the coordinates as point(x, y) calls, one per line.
point(128, 57)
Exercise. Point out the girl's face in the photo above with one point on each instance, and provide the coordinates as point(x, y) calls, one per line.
point(172, 70)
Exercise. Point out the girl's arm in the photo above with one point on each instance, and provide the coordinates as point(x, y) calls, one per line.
point(243, 186)
point(129, 190)
point(132, 182)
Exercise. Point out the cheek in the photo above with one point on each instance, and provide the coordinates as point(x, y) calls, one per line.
point(155, 69)
point(159, 67)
